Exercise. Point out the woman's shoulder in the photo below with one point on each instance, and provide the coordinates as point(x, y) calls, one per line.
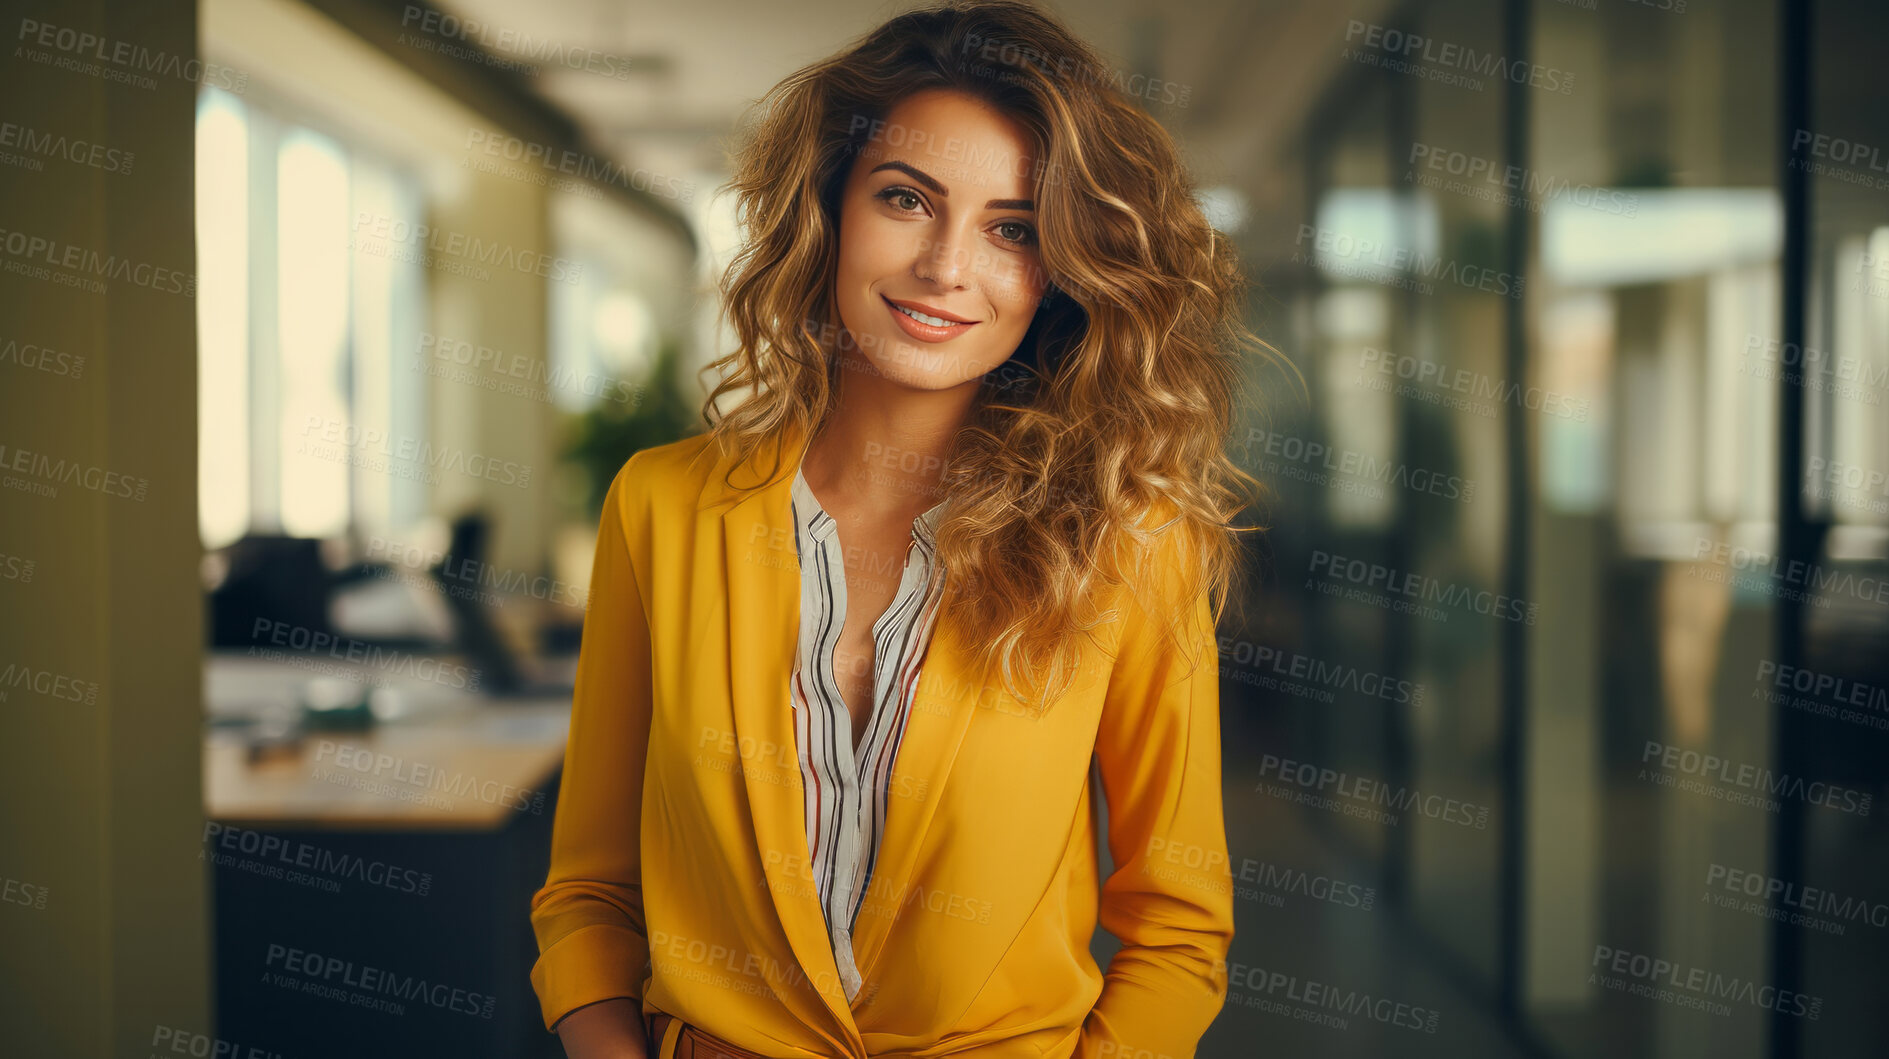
point(1161, 546)
point(688, 474)
point(660, 478)
point(675, 468)
point(670, 464)
point(1159, 565)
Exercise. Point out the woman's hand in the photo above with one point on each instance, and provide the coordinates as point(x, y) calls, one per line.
point(608, 1029)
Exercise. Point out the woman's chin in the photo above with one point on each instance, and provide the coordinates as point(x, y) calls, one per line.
point(919, 367)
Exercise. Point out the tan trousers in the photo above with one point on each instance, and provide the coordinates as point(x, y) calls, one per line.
point(671, 1038)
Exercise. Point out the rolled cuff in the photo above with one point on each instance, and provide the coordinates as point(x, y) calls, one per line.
point(593, 963)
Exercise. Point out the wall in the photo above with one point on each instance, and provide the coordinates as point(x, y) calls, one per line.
point(100, 810)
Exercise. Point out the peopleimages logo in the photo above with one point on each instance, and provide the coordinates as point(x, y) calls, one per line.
point(1801, 359)
point(273, 856)
point(1474, 386)
point(31, 357)
point(1414, 48)
point(464, 578)
point(397, 776)
point(1368, 791)
point(1011, 56)
point(547, 158)
point(39, 144)
point(169, 1040)
point(1422, 587)
point(361, 985)
point(331, 438)
point(1342, 254)
point(42, 475)
point(1320, 998)
point(1699, 986)
point(481, 35)
point(1839, 159)
point(495, 369)
point(1806, 906)
point(119, 60)
point(1757, 779)
point(1794, 578)
point(1355, 465)
point(1825, 685)
point(304, 643)
point(1510, 185)
point(457, 249)
point(1243, 656)
point(15, 892)
point(37, 256)
point(46, 684)
point(1272, 880)
point(1824, 694)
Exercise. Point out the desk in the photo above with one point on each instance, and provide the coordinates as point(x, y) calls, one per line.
point(373, 887)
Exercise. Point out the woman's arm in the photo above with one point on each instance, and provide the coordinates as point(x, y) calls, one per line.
point(608, 1029)
point(1170, 898)
point(593, 944)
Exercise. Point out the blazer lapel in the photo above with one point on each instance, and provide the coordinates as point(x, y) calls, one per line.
point(763, 581)
point(763, 578)
point(942, 708)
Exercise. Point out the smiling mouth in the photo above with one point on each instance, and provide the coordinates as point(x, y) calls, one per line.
point(925, 318)
point(924, 326)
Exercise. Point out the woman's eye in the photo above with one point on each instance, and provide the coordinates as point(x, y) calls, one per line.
point(905, 200)
point(901, 198)
point(1023, 233)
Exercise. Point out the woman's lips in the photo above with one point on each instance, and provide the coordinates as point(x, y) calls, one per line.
point(921, 331)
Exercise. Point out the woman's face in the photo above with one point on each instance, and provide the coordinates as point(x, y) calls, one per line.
point(936, 216)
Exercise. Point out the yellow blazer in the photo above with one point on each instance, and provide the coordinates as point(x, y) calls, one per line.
point(679, 869)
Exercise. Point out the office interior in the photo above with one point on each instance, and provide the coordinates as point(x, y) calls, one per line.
point(1554, 706)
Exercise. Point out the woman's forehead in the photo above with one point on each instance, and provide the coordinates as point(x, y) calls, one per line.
point(955, 141)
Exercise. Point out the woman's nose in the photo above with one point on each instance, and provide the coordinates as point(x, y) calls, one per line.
point(944, 260)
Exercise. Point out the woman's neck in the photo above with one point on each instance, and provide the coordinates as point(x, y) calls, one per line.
point(885, 446)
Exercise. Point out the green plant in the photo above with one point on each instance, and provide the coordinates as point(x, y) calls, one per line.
point(599, 440)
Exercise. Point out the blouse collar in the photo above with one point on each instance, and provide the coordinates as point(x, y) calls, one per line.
point(815, 521)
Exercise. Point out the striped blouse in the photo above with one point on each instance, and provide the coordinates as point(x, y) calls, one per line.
point(845, 793)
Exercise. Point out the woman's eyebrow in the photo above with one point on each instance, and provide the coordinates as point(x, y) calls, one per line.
point(926, 179)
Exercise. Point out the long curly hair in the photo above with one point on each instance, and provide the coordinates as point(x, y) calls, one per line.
point(1107, 427)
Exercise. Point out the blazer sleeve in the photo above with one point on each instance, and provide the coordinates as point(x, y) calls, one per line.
point(1170, 898)
point(588, 917)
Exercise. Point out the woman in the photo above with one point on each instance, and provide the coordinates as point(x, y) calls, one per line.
point(849, 656)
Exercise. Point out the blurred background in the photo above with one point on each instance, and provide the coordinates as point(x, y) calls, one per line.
point(1553, 721)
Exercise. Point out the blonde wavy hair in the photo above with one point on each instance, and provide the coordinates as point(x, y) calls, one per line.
point(1107, 426)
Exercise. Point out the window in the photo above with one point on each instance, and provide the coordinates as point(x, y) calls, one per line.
point(301, 402)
